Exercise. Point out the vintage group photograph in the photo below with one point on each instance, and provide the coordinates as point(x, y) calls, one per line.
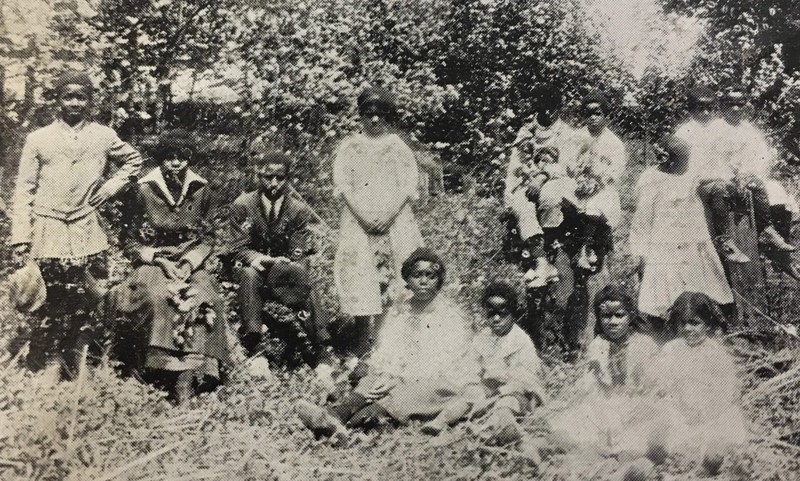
point(288, 240)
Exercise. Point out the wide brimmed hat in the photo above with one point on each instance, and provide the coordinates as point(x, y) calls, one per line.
point(27, 290)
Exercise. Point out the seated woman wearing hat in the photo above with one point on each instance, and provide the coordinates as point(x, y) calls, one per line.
point(176, 323)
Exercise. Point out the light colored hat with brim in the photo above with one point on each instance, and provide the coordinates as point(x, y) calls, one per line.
point(27, 290)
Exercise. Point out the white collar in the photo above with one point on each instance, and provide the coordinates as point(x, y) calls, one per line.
point(157, 177)
point(71, 128)
point(266, 203)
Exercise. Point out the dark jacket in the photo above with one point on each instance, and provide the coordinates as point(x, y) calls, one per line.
point(252, 235)
point(155, 224)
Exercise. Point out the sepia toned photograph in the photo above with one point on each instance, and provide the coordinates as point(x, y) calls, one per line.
point(289, 240)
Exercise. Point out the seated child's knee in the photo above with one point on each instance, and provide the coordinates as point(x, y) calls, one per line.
point(715, 188)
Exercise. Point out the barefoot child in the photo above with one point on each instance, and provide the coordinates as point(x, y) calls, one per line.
point(669, 234)
point(696, 377)
point(509, 372)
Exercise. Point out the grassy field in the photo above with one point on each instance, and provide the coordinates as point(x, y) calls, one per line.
point(108, 428)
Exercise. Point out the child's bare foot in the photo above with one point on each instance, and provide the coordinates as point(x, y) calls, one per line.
point(728, 248)
point(318, 420)
point(771, 238)
point(433, 428)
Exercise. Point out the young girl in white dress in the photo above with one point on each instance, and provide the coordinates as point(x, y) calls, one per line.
point(375, 174)
point(695, 377)
point(670, 235)
point(602, 414)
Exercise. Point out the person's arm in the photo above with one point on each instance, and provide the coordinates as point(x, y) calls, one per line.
point(302, 239)
point(408, 180)
point(239, 226)
point(513, 181)
point(130, 162)
point(642, 223)
point(24, 194)
point(197, 254)
point(524, 380)
point(343, 185)
point(618, 162)
point(133, 229)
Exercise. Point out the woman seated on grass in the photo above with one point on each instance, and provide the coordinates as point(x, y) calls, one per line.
point(695, 377)
point(418, 365)
point(175, 322)
point(509, 384)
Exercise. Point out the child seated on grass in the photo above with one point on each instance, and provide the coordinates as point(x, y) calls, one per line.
point(418, 364)
point(695, 377)
point(602, 416)
point(509, 384)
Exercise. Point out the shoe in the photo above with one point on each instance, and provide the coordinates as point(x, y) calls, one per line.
point(782, 262)
point(537, 276)
point(587, 259)
point(730, 251)
point(318, 420)
point(770, 237)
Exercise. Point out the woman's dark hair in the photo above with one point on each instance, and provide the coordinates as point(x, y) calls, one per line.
point(504, 290)
point(695, 304)
point(614, 293)
point(419, 255)
point(381, 99)
point(174, 143)
point(547, 98)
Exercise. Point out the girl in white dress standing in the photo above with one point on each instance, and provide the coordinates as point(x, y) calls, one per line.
point(375, 174)
point(670, 235)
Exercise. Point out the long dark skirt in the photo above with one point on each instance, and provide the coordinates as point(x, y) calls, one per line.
point(156, 335)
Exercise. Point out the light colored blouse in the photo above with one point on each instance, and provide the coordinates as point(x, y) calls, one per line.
point(431, 344)
point(377, 174)
point(510, 362)
point(61, 166)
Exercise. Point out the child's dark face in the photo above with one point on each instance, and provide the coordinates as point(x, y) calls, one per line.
point(677, 159)
point(423, 280)
point(615, 320)
point(372, 118)
point(733, 110)
point(499, 315)
point(73, 101)
point(595, 116)
point(694, 331)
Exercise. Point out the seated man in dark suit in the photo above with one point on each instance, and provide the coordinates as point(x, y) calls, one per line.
point(272, 240)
